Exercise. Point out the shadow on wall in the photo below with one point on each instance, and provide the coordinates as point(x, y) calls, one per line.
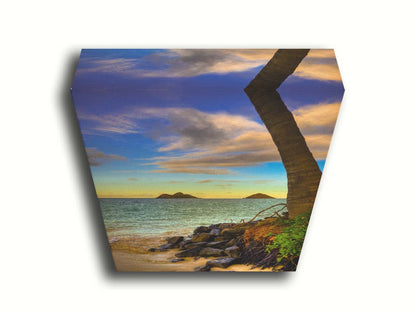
point(95, 218)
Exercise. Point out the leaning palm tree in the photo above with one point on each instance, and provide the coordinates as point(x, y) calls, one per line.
point(303, 173)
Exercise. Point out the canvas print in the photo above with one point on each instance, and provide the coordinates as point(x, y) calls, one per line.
point(207, 160)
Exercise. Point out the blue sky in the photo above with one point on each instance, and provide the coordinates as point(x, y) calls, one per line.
point(162, 121)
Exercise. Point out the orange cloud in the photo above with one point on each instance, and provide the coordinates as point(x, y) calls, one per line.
point(193, 170)
point(320, 65)
point(212, 143)
point(319, 118)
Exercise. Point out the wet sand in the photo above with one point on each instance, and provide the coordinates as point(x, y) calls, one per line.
point(131, 254)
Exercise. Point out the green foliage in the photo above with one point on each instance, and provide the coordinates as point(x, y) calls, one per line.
point(290, 241)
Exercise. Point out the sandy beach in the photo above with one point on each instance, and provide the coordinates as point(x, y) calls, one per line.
point(131, 254)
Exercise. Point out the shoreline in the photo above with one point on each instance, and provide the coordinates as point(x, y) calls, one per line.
point(131, 254)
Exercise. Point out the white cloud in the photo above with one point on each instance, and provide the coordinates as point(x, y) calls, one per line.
point(119, 124)
point(97, 158)
point(319, 64)
point(211, 143)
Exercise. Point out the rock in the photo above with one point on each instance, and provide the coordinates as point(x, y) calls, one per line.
point(211, 252)
point(166, 247)
point(152, 249)
point(220, 244)
point(233, 252)
point(231, 232)
point(174, 260)
point(203, 237)
point(231, 242)
point(215, 232)
point(202, 229)
point(192, 245)
point(219, 239)
point(223, 262)
point(202, 268)
point(184, 242)
point(214, 226)
point(161, 249)
point(192, 252)
point(174, 240)
point(223, 226)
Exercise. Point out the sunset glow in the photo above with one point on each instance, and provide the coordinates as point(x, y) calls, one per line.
point(166, 121)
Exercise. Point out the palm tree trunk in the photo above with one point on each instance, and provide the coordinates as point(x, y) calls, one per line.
point(303, 173)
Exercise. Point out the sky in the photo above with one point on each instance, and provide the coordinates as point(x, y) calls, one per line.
point(167, 121)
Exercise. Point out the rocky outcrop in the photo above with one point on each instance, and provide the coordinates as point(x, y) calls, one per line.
point(217, 242)
point(225, 244)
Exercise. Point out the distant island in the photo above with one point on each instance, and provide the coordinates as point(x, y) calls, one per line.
point(176, 195)
point(259, 195)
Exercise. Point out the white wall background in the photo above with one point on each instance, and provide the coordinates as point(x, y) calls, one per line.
point(359, 253)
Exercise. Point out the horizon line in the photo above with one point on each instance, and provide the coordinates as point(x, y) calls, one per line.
point(99, 197)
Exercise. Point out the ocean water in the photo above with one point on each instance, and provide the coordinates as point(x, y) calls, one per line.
point(125, 217)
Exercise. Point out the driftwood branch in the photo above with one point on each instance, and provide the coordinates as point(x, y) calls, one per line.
point(281, 204)
point(277, 212)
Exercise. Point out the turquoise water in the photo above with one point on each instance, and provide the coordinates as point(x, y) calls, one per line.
point(156, 216)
